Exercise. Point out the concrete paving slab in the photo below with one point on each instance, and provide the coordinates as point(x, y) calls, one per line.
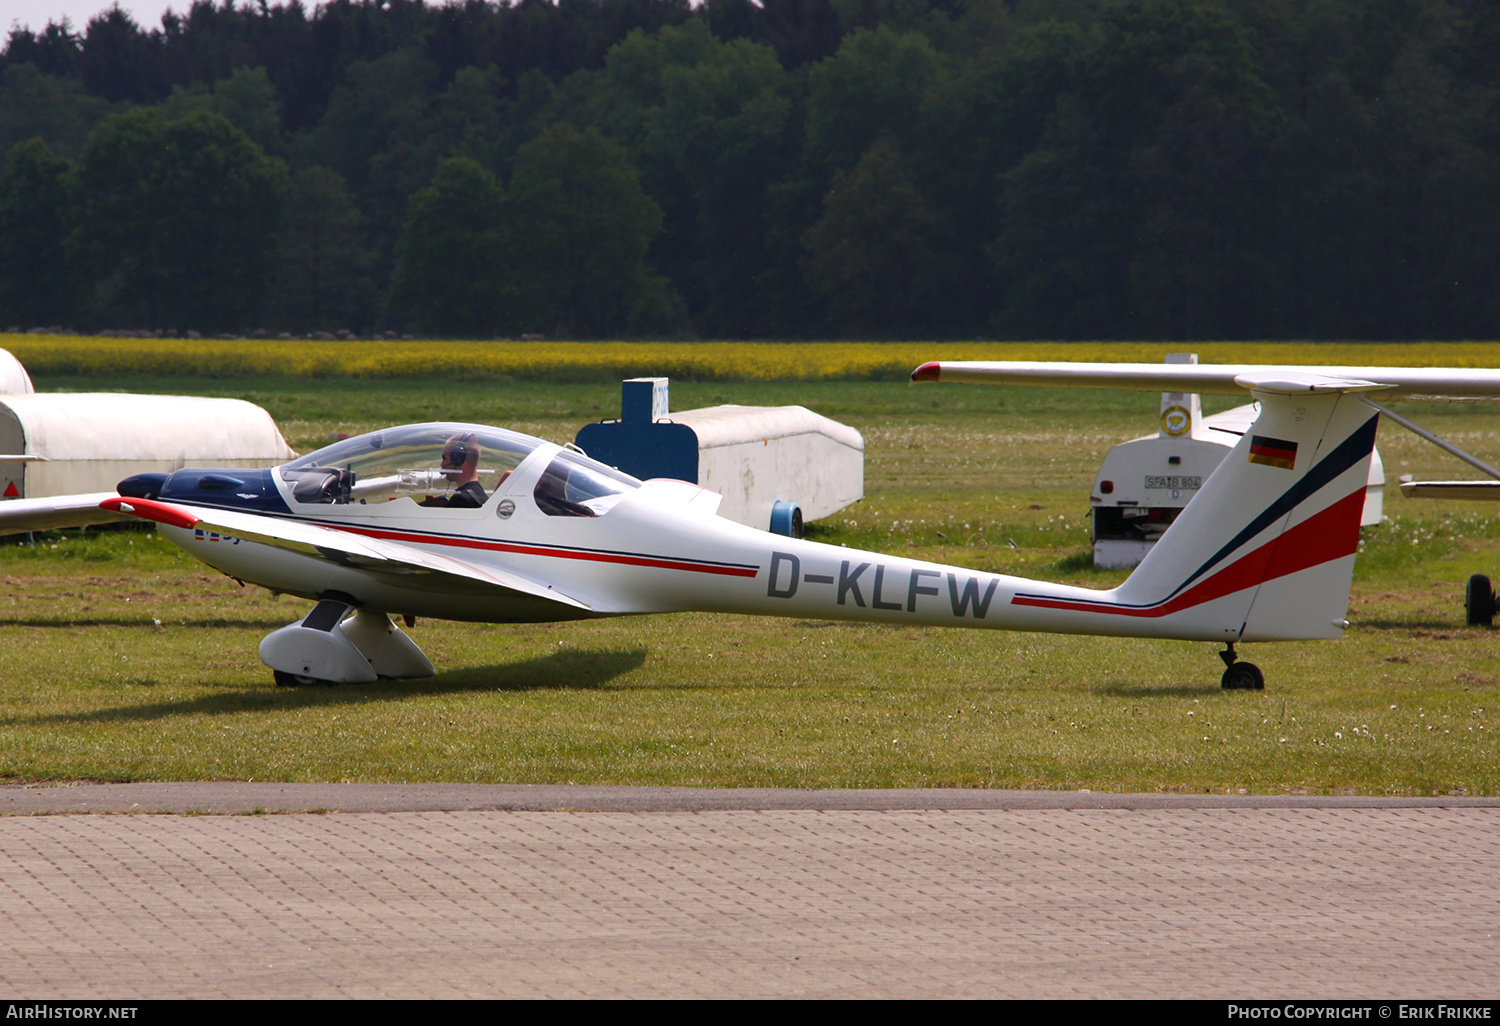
point(1305, 900)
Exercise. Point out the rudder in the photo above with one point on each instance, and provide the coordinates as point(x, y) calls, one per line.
point(1268, 544)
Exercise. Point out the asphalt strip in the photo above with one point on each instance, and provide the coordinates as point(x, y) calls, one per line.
point(241, 798)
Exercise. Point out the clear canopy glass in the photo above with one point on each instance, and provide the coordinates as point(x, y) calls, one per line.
point(406, 461)
point(574, 486)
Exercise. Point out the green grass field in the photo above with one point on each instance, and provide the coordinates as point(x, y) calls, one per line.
point(122, 659)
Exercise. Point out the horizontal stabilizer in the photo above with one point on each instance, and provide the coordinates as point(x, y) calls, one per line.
point(1284, 382)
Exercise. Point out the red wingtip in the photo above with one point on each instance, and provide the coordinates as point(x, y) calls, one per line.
point(150, 509)
point(927, 372)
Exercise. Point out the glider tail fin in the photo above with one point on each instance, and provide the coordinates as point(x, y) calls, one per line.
point(1265, 551)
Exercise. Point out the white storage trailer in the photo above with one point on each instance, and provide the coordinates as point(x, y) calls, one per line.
point(13, 377)
point(64, 443)
point(775, 466)
point(80, 445)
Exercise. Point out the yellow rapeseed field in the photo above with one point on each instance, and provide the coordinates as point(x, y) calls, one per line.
point(747, 361)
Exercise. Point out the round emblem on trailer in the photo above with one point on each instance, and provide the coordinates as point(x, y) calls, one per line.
point(1175, 421)
point(505, 509)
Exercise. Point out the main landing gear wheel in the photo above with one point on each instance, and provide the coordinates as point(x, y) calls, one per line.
point(293, 680)
point(1243, 677)
point(1479, 601)
point(1239, 676)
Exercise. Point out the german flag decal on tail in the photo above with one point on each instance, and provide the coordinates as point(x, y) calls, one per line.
point(1273, 452)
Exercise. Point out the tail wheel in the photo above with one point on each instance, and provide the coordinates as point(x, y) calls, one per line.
point(1242, 676)
point(1479, 601)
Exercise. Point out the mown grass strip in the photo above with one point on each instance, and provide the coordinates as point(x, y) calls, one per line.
point(123, 659)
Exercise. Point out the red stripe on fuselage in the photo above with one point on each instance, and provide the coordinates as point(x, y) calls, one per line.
point(660, 562)
point(1306, 545)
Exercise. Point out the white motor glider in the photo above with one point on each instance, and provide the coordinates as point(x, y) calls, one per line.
point(465, 522)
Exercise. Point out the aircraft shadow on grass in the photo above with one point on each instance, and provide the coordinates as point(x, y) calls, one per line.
point(573, 670)
point(1187, 689)
point(1453, 626)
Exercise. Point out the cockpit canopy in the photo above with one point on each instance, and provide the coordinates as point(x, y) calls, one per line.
point(575, 486)
point(388, 464)
point(423, 462)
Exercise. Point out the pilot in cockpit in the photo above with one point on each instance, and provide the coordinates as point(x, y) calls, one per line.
point(461, 467)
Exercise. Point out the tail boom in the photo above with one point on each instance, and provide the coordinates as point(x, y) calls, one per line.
point(1265, 551)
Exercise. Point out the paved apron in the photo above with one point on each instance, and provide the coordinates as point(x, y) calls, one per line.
point(742, 894)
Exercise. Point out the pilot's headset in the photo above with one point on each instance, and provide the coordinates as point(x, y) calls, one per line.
point(460, 450)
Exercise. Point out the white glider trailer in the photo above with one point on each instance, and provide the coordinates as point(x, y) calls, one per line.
point(13, 377)
point(80, 445)
point(1145, 483)
point(775, 466)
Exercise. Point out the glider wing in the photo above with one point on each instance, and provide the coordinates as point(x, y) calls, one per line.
point(338, 546)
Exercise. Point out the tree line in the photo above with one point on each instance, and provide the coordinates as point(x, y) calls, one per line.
point(1175, 169)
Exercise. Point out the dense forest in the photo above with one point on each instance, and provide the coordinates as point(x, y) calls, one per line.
point(1174, 169)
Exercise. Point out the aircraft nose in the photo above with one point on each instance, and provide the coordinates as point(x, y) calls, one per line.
point(927, 372)
point(142, 486)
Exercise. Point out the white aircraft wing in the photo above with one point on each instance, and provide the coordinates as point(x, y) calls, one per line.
point(336, 546)
point(56, 511)
point(1213, 378)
